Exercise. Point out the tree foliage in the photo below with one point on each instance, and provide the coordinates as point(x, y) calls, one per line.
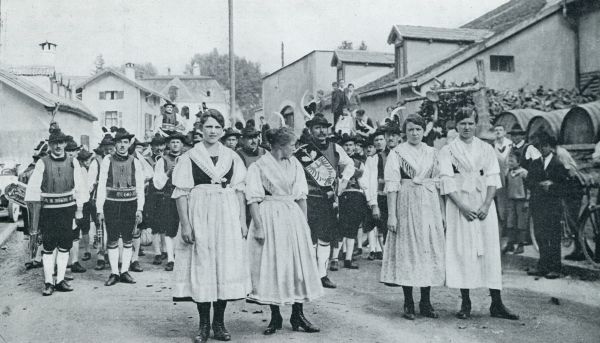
point(248, 78)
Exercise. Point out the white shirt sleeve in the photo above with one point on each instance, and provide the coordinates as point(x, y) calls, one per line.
point(139, 184)
point(33, 191)
point(92, 174)
point(346, 163)
point(160, 177)
point(371, 166)
point(365, 183)
point(101, 197)
point(80, 190)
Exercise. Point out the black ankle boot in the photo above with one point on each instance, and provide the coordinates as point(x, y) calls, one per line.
point(426, 310)
point(498, 310)
point(276, 322)
point(409, 311)
point(465, 310)
point(204, 330)
point(297, 320)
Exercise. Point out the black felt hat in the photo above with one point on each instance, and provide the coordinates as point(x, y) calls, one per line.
point(57, 136)
point(230, 132)
point(122, 134)
point(250, 132)
point(345, 138)
point(318, 119)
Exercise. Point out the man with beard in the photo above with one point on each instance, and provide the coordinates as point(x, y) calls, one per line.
point(320, 201)
point(249, 151)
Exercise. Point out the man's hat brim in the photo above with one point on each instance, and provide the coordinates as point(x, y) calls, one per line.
point(318, 121)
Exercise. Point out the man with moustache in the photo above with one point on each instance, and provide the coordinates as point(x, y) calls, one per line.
point(249, 150)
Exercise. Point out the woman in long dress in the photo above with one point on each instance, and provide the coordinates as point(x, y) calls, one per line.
point(211, 266)
point(414, 252)
point(283, 264)
point(469, 176)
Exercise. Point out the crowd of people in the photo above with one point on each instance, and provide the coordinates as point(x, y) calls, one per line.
point(266, 216)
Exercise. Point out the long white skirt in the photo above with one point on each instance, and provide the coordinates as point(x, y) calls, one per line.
point(215, 266)
point(283, 268)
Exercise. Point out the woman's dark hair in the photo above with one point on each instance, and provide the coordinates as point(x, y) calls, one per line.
point(515, 153)
point(280, 136)
point(464, 113)
point(415, 119)
point(239, 126)
point(212, 113)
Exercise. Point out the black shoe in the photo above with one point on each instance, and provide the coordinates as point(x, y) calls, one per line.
point(326, 283)
point(86, 256)
point(426, 310)
point(126, 278)
point(112, 279)
point(77, 268)
point(575, 256)
point(141, 252)
point(100, 264)
point(203, 334)
point(334, 266)
point(349, 265)
point(69, 278)
point(163, 256)
point(63, 286)
point(170, 266)
point(357, 252)
point(465, 311)
point(135, 267)
point(220, 333)
point(48, 289)
point(409, 311)
point(371, 256)
point(275, 324)
point(500, 311)
point(510, 247)
point(519, 250)
point(552, 275)
point(379, 255)
point(157, 260)
point(33, 265)
point(297, 320)
point(536, 272)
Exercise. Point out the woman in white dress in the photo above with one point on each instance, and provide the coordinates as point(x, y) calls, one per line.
point(210, 263)
point(469, 176)
point(283, 264)
point(414, 251)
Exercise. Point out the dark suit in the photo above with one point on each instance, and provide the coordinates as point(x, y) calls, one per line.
point(338, 101)
point(546, 210)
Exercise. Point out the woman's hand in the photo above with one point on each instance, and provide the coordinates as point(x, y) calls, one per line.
point(468, 213)
point(244, 229)
point(138, 217)
point(482, 212)
point(187, 233)
point(259, 234)
point(391, 223)
point(376, 213)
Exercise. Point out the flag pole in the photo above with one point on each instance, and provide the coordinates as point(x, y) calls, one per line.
point(231, 67)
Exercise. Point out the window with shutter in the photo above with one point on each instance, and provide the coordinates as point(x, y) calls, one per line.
point(120, 94)
point(102, 95)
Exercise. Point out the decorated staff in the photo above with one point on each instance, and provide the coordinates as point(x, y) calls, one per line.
point(120, 203)
point(321, 161)
point(55, 195)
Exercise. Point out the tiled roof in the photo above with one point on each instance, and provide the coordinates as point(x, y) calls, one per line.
point(44, 98)
point(191, 88)
point(437, 33)
point(382, 82)
point(32, 70)
point(110, 71)
point(362, 56)
point(507, 15)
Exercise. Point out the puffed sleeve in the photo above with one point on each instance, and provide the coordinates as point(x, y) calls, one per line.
point(238, 180)
point(447, 182)
point(255, 192)
point(183, 179)
point(391, 173)
point(492, 168)
point(33, 191)
point(300, 186)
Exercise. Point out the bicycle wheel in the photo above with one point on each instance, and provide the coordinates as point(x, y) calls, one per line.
point(589, 233)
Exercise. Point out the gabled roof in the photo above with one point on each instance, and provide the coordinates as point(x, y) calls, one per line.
point(190, 88)
point(296, 61)
point(464, 35)
point(110, 71)
point(46, 99)
point(362, 57)
point(506, 15)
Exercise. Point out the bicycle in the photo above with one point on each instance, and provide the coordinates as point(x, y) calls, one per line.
point(589, 228)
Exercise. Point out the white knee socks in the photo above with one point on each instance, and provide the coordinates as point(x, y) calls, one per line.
point(61, 265)
point(137, 242)
point(113, 258)
point(127, 252)
point(323, 251)
point(169, 244)
point(156, 243)
point(349, 248)
point(75, 252)
point(48, 262)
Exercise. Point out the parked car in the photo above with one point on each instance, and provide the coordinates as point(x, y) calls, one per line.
point(9, 172)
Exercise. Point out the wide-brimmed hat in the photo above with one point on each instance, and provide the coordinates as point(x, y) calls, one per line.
point(229, 132)
point(71, 144)
point(122, 134)
point(345, 138)
point(137, 142)
point(84, 155)
point(517, 131)
point(318, 119)
point(157, 140)
point(57, 136)
point(107, 140)
point(379, 132)
point(176, 135)
point(250, 132)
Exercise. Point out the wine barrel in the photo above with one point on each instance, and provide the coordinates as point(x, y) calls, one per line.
point(516, 119)
point(581, 125)
point(547, 121)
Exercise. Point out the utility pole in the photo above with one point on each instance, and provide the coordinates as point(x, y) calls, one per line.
point(231, 66)
point(1, 24)
point(282, 54)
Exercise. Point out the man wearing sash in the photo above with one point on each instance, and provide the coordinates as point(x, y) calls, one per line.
point(325, 164)
point(56, 191)
point(120, 203)
point(249, 151)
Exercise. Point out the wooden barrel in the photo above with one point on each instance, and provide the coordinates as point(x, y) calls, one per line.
point(581, 125)
point(547, 121)
point(516, 119)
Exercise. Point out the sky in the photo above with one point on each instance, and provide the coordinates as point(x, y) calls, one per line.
point(168, 33)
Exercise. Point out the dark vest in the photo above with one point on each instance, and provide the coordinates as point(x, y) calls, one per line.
point(170, 161)
point(382, 158)
point(358, 173)
point(58, 182)
point(334, 158)
point(250, 158)
point(120, 184)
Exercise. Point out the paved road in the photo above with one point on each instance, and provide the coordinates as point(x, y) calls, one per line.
point(360, 310)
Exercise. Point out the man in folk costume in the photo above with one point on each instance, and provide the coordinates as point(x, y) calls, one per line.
point(56, 191)
point(137, 150)
point(72, 150)
point(469, 176)
point(167, 218)
point(376, 166)
point(153, 196)
point(249, 150)
point(120, 203)
point(106, 147)
point(353, 205)
point(502, 147)
point(336, 166)
point(82, 226)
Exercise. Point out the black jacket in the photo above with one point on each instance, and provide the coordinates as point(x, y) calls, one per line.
point(556, 172)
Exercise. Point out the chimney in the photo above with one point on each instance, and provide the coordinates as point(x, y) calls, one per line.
point(130, 70)
point(196, 69)
point(48, 56)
